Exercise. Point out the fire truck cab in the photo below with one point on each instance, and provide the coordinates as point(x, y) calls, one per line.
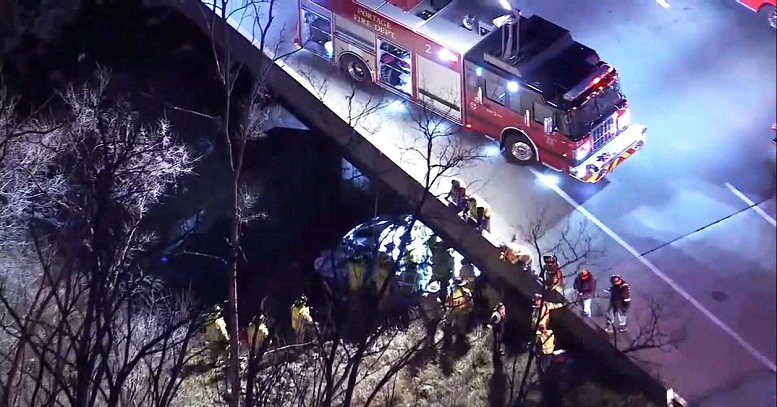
point(768, 8)
point(523, 81)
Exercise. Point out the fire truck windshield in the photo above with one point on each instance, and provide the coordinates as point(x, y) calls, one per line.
point(582, 120)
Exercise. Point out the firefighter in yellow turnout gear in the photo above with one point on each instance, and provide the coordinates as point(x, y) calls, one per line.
point(479, 211)
point(459, 306)
point(381, 275)
point(541, 310)
point(301, 320)
point(216, 336)
point(258, 335)
point(546, 345)
point(356, 268)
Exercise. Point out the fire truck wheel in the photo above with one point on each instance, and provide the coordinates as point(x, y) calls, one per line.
point(519, 150)
point(770, 13)
point(355, 68)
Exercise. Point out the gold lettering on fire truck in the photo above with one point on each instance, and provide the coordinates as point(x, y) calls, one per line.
point(378, 24)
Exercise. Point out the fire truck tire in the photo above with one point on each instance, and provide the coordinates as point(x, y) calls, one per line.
point(770, 13)
point(355, 68)
point(518, 149)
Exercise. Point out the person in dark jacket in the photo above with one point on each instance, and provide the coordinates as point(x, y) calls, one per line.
point(552, 274)
point(620, 300)
point(585, 286)
point(497, 326)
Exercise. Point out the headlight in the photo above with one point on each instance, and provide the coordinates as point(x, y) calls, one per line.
point(583, 150)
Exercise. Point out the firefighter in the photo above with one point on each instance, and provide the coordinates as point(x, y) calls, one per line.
point(216, 336)
point(542, 309)
point(497, 326)
point(546, 344)
point(514, 253)
point(301, 321)
point(620, 300)
point(552, 274)
point(459, 306)
point(356, 267)
point(470, 275)
point(433, 310)
point(381, 275)
point(457, 195)
point(257, 334)
point(585, 287)
point(442, 262)
point(479, 212)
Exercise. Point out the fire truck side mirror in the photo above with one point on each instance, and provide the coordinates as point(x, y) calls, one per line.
point(548, 123)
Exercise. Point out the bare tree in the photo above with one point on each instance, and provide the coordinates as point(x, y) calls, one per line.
point(242, 118)
point(352, 365)
point(25, 150)
point(439, 145)
point(88, 313)
point(577, 245)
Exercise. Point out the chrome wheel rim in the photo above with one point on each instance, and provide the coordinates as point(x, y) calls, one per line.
point(356, 71)
point(522, 151)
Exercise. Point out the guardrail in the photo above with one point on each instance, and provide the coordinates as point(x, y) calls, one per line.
point(299, 99)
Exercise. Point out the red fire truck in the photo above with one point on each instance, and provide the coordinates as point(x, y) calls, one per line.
point(523, 81)
point(766, 7)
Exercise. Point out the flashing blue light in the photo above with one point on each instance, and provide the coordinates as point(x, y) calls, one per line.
point(479, 71)
point(163, 259)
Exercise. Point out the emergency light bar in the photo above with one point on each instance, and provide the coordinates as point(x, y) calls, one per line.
point(589, 81)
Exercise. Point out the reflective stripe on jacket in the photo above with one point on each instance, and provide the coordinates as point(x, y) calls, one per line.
point(544, 313)
point(458, 298)
point(356, 271)
point(257, 335)
point(547, 341)
point(620, 295)
point(300, 317)
point(216, 330)
point(381, 276)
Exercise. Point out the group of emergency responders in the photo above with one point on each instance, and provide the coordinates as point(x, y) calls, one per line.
point(472, 207)
point(585, 287)
point(448, 298)
point(256, 337)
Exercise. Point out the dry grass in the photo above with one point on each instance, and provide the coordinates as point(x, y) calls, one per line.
point(464, 376)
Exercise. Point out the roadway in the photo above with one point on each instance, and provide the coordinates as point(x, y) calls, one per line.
point(689, 220)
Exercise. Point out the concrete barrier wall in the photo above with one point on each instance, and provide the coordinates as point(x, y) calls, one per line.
point(307, 108)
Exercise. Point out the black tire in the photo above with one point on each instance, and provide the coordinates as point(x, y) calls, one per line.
point(519, 150)
point(770, 14)
point(355, 68)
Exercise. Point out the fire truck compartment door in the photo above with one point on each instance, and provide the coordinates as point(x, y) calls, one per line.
point(439, 87)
